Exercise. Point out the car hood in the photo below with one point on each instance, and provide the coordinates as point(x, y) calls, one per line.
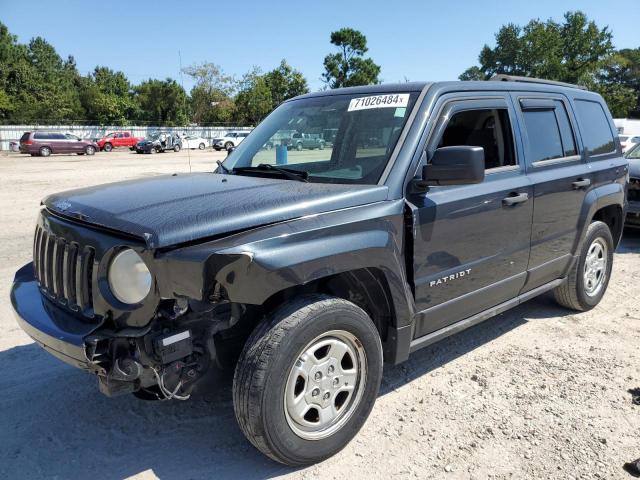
point(173, 209)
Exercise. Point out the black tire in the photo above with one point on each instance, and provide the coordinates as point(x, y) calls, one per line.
point(45, 151)
point(217, 149)
point(573, 293)
point(80, 153)
point(90, 150)
point(268, 357)
point(107, 147)
point(299, 147)
point(228, 145)
point(202, 146)
point(176, 148)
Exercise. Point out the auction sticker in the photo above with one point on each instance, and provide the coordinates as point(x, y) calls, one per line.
point(379, 101)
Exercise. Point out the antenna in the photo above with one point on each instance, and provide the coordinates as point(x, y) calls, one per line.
point(184, 103)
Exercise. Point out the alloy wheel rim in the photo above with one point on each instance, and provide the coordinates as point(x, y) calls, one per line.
point(595, 267)
point(325, 385)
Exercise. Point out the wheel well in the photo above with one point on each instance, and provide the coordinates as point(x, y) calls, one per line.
point(366, 287)
point(612, 216)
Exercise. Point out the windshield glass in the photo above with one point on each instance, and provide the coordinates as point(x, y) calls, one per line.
point(334, 139)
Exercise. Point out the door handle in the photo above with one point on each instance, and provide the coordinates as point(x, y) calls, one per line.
point(515, 198)
point(581, 183)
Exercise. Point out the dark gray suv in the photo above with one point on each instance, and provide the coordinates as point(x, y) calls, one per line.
point(305, 270)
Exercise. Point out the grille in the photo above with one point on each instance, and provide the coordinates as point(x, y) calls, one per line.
point(64, 270)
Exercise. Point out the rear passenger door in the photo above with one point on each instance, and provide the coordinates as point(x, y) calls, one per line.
point(561, 179)
point(471, 242)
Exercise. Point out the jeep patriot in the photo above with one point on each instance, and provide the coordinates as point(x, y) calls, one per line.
point(305, 270)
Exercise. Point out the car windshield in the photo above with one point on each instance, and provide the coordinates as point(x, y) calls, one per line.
point(329, 139)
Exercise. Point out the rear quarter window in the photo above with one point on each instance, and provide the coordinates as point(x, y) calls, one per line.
point(25, 137)
point(594, 125)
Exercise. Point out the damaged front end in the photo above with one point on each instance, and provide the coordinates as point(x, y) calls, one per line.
point(156, 348)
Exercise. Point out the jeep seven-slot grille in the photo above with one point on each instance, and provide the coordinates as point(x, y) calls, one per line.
point(64, 270)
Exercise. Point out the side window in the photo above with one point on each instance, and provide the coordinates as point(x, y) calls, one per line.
point(566, 132)
point(543, 134)
point(39, 136)
point(126, 135)
point(594, 125)
point(58, 136)
point(486, 128)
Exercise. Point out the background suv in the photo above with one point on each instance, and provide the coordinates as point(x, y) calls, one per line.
point(230, 139)
point(45, 143)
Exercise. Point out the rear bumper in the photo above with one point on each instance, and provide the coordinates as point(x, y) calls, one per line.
point(57, 331)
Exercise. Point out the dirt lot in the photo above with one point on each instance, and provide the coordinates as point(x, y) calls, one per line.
point(537, 392)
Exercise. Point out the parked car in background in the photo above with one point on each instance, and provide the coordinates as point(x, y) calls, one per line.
point(633, 190)
point(118, 140)
point(14, 146)
point(45, 143)
point(628, 141)
point(194, 141)
point(159, 142)
point(229, 140)
point(309, 141)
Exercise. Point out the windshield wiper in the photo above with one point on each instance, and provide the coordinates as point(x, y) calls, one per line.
point(291, 174)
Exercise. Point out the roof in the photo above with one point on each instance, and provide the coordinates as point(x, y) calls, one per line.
point(513, 84)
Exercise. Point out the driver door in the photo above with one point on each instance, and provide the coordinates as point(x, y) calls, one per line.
point(471, 242)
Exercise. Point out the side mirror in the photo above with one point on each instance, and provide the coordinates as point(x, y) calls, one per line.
point(458, 165)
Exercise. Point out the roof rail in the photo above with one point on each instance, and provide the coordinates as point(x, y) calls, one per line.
point(514, 78)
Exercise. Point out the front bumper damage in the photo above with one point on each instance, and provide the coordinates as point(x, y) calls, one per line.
point(165, 359)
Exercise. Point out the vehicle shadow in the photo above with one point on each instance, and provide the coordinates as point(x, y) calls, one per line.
point(54, 422)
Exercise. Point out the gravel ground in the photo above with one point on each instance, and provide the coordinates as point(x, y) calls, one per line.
point(537, 392)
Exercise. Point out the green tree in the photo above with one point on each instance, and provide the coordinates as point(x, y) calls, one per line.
point(349, 68)
point(285, 82)
point(621, 72)
point(253, 101)
point(211, 97)
point(162, 102)
point(575, 51)
point(107, 97)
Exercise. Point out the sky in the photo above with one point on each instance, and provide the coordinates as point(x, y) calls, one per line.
point(413, 40)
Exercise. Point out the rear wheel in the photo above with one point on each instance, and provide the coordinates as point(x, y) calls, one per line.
point(589, 277)
point(299, 147)
point(45, 151)
point(307, 379)
point(176, 148)
point(107, 147)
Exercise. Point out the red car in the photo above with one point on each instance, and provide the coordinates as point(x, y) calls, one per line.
point(117, 140)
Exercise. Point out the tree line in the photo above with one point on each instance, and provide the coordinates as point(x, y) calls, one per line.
point(37, 84)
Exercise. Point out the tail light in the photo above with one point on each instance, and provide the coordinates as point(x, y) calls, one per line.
point(27, 142)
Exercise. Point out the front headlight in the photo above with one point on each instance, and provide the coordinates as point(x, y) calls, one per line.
point(129, 277)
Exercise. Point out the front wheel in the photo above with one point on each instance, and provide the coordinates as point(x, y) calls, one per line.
point(307, 379)
point(202, 146)
point(228, 145)
point(176, 148)
point(107, 147)
point(589, 277)
point(90, 150)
